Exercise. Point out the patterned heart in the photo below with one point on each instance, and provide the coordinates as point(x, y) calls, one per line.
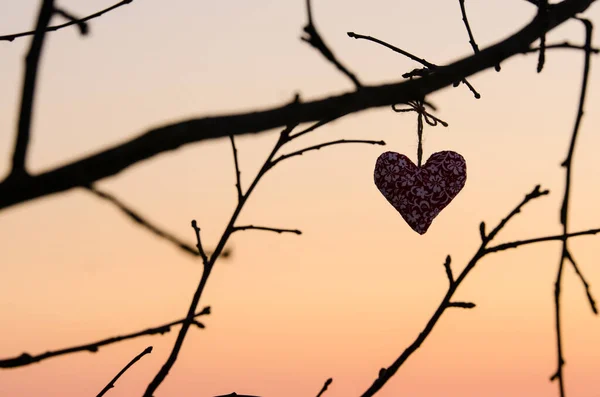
point(420, 193)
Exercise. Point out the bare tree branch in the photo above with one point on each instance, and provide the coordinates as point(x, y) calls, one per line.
point(269, 229)
point(117, 158)
point(325, 386)
point(558, 237)
point(32, 61)
point(322, 145)
point(82, 25)
point(238, 183)
point(140, 220)
point(72, 21)
point(429, 67)
point(385, 374)
point(314, 39)
point(467, 26)
point(564, 210)
point(26, 359)
point(111, 384)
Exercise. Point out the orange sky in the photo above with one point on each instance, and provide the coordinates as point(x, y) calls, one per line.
point(346, 297)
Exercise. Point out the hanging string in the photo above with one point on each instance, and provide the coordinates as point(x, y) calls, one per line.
point(418, 106)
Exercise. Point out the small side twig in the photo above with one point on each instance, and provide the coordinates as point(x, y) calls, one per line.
point(468, 27)
point(586, 286)
point(201, 251)
point(429, 67)
point(325, 386)
point(322, 145)
point(111, 384)
point(463, 305)
point(269, 229)
point(11, 37)
point(140, 220)
point(314, 39)
point(27, 359)
point(238, 183)
point(82, 25)
point(449, 270)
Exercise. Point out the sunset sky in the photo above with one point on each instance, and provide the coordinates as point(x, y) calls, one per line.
point(346, 297)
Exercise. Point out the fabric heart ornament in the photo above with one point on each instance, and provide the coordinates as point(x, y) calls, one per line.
point(420, 193)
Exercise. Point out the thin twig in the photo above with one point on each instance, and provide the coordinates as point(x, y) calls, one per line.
point(32, 61)
point(269, 229)
point(26, 359)
point(322, 145)
point(385, 374)
point(313, 127)
point(314, 39)
point(201, 251)
point(325, 386)
point(558, 237)
point(140, 220)
point(586, 286)
point(469, 32)
point(564, 210)
point(563, 45)
point(238, 183)
point(111, 384)
point(11, 37)
point(429, 67)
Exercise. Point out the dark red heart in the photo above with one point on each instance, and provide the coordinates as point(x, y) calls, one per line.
point(419, 194)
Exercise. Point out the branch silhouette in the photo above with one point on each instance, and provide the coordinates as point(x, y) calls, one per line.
point(564, 214)
point(269, 163)
point(385, 374)
point(72, 21)
point(32, 61)
point(169, 137)
point(111, 384)
point(26, 358)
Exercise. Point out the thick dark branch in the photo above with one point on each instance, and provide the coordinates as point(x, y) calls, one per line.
point(314, 39)
point(32, 61)
point(111, 384)
point(115, 159)
point(140, 220)
point(325, 386)
point(268, 229)
point(26, 359)
point(11, 37)
point(322, 145)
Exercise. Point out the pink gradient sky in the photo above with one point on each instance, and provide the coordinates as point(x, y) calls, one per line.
point(346, 297)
